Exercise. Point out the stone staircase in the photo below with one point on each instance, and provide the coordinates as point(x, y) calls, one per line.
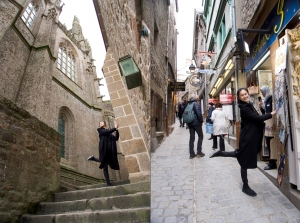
point(97, 203)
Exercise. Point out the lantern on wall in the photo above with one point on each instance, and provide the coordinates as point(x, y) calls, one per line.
point(130, 71)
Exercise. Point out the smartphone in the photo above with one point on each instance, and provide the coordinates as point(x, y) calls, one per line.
point(259, 98)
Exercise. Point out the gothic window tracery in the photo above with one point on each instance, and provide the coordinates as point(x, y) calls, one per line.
point(29, 14)
point(66, 62)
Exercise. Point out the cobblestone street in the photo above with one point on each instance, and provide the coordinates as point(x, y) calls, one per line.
point(209, 190)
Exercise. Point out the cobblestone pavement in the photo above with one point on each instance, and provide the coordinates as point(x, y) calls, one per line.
point(209, 190)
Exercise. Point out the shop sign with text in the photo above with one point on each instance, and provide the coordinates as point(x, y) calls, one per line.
point(279, 17)
point(177, 86)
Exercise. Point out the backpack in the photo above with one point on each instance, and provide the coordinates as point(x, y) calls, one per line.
point(188, 114)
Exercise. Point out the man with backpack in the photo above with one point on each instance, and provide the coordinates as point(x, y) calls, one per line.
point(192, 115)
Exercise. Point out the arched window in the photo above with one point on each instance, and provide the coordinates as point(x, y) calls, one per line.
point(29, 15)
point(61, 130)
point(66, 62)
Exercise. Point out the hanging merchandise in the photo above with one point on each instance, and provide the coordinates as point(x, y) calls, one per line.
point(280, 66)
point(253, 89)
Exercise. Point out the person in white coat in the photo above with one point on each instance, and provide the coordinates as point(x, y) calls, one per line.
point(220, 126)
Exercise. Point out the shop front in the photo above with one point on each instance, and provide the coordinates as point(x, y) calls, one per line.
point(274, 63)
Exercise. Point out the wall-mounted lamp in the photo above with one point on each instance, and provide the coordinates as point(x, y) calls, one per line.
point(232, 79)
point(130, 71)
point(242, 43)
point(144, 32)
point(192, 68)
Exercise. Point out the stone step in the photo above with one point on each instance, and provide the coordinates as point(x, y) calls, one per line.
point(103, 192)
point(113, 183)
point(65, 186)
point(135, 215)
point(141, 199)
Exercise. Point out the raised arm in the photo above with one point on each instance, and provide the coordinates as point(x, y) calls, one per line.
point(249, 114)
point(116, 137)
point(106, 132)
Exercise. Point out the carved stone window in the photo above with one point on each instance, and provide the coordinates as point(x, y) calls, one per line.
point(66, 62)
point(29, 14)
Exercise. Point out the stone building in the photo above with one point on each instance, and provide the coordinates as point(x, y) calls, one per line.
point(48, 71)
point(163, 68)
point(121, 23)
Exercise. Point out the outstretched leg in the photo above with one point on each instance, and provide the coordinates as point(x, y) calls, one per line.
point(223, 153)
point(92, 158)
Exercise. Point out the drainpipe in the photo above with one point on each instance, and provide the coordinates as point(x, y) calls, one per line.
point(236, 72)
point(167, 70)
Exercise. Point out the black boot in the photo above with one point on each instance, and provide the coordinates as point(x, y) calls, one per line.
point(247, 190)
point(215, 154)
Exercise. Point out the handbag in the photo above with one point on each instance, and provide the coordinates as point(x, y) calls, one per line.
point(209, 128)
point(253, 89)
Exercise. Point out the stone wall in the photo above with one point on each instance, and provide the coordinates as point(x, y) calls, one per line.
point(122, 26)
point(29, 161)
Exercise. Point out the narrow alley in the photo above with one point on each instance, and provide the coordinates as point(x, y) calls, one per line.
point(209, 190)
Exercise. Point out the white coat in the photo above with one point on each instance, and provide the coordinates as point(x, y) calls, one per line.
point(220, 123)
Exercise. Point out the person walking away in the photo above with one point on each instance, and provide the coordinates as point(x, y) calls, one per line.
point(180, 112)
point(220, 126)
point(195, 126)
point(251, 135)
point(107, 150)
point(208, 120)
point(267, 107)
point(176, 109)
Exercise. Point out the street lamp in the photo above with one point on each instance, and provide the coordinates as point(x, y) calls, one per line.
point(192, 68)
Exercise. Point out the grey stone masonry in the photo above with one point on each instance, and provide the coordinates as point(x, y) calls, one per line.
point(122, 202)
point(209, 190)
point(29, 162)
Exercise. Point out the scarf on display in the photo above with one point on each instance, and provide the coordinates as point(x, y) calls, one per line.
point(266, 90)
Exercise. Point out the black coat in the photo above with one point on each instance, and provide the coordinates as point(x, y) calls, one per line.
point(251, 135)
point(268, 106)
point(198, 114)
point(108, 148)
point(210, 110)
point(181, 108)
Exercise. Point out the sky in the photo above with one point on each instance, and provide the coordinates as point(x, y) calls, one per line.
point(91, 30)
point(185, 26)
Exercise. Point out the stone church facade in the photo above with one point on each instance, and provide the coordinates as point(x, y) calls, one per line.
point(48, 71)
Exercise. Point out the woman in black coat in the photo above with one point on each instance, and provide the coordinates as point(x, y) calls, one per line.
point(107, 150)
point(251, 135)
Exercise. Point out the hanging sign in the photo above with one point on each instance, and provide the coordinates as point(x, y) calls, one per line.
point(225, 98)
point(278, 18)
point(177, 86)
point(212, 100)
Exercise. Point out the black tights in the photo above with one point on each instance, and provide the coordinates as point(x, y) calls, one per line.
point(243, 171)
point(105, 171)
point(106, 175)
